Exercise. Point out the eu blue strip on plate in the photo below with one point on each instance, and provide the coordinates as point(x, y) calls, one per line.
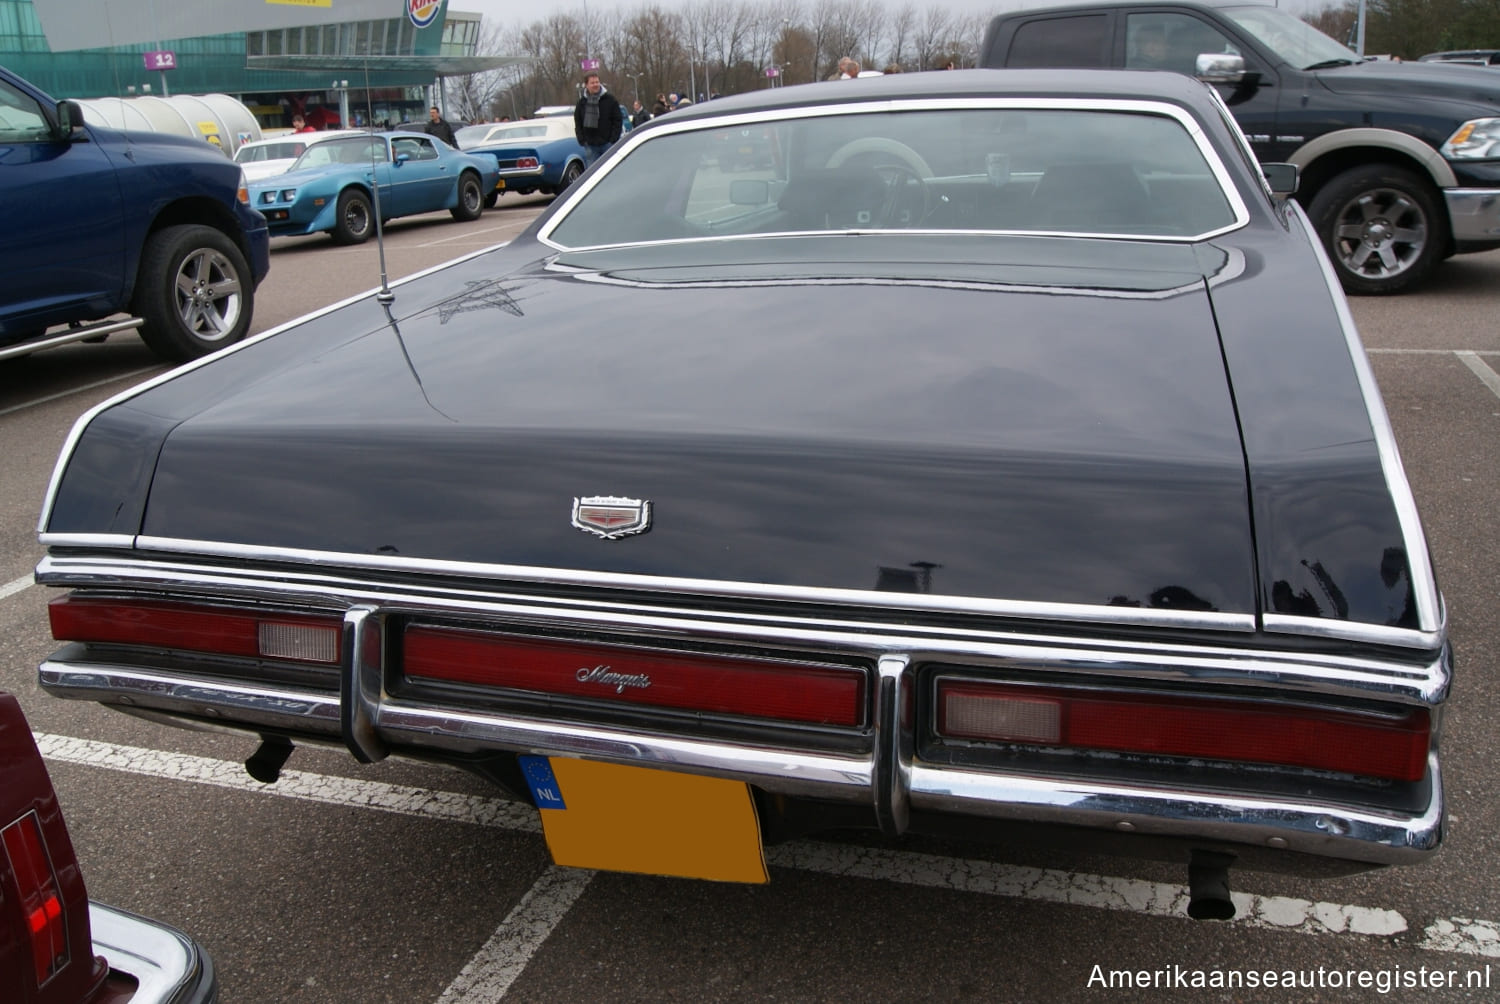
point(539, 777)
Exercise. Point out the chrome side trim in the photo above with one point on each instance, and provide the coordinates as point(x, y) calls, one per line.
point(894, 680)
point(100, 330)
point(1423, 681)
point(1334, 630)
point(1424, 586)
point(1177, 113)
point(1074, 612)
point(1336, 831)
point(111, 540)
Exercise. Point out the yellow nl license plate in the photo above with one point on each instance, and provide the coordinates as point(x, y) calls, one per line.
point(635, 819)
point(499, 184)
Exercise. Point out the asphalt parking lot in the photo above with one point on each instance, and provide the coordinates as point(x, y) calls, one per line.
point(404, 882)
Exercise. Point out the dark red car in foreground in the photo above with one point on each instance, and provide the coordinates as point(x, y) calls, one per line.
point(56, 947)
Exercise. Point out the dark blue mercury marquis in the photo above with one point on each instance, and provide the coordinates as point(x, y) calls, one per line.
point(994, 457)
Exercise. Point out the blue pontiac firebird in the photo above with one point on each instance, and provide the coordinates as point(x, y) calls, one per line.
point(331, 187)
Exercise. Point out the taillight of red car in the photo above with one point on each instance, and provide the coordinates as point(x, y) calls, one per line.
point(40, 897)
point(1391, 746)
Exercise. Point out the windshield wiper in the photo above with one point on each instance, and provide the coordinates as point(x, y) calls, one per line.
point(1328, 63)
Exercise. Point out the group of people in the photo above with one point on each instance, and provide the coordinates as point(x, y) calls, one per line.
point(599, 118)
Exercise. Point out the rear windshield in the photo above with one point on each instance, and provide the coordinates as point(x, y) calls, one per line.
point(989, 169)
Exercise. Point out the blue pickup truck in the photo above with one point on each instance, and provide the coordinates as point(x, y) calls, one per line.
point(101, 223)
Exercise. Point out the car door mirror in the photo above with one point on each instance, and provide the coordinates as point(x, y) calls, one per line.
point(69, 119)
point(402, 158)
point(1220, 68)
point(1282, 178)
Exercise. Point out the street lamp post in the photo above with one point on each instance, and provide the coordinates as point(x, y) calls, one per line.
point(635, 79)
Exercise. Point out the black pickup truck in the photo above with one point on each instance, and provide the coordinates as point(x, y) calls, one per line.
point(1399, 162)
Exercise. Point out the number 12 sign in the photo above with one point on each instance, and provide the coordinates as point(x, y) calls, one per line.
point(161, 59)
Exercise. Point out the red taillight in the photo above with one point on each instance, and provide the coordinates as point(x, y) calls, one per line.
point(1393, 747)
point(526, 162)
point(41, 898)
point(786, 691)
point(220, 630)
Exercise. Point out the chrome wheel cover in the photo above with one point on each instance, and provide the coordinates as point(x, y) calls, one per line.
point(1380, 233)
point(209, 296)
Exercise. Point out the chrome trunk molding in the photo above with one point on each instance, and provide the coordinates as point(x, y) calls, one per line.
point(1422, 679)
point(685, 587)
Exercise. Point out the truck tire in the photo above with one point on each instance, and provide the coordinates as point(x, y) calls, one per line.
point(354, 221)
point(194, 291)
point(470, 198)
point(1382, 227)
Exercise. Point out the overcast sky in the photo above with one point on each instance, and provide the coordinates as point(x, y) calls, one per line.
point(514, 12)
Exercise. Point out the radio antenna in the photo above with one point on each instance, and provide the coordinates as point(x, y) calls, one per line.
point(384, 295)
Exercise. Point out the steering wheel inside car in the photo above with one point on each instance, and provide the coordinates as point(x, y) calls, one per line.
point(905, 201)
point(902, 172)
point(881, 144)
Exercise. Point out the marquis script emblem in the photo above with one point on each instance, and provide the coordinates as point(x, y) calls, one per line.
point(606, 676)
point(611, 516)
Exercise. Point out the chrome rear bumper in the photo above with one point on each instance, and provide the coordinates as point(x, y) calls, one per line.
point(886, 777)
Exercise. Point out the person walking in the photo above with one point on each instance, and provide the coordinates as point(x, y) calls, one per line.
point(597, 118)
point(438, 126)
point(639, 116)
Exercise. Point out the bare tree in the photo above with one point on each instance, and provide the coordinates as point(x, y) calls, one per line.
point(932, 35)
point(651, 48)
point(472, 97)
point(903, 25)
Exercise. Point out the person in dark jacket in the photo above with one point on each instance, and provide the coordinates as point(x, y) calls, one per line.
point(639, 116)
point(438, 126)
point(598, 119)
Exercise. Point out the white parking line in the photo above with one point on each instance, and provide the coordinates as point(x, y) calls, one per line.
point(1101, 892)
point(77, 390)
point(1481, 370)
point(1098, 892)
point(1430, 352)
point(15, 586)
point(347, 792)
point(471, 234)
point(495, 967)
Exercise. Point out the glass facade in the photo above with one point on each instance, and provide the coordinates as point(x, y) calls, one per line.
point(225, 64)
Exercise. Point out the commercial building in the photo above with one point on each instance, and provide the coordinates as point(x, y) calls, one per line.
point(365, 61)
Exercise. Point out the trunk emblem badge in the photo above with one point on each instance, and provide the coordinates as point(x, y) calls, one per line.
point(610, 516)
